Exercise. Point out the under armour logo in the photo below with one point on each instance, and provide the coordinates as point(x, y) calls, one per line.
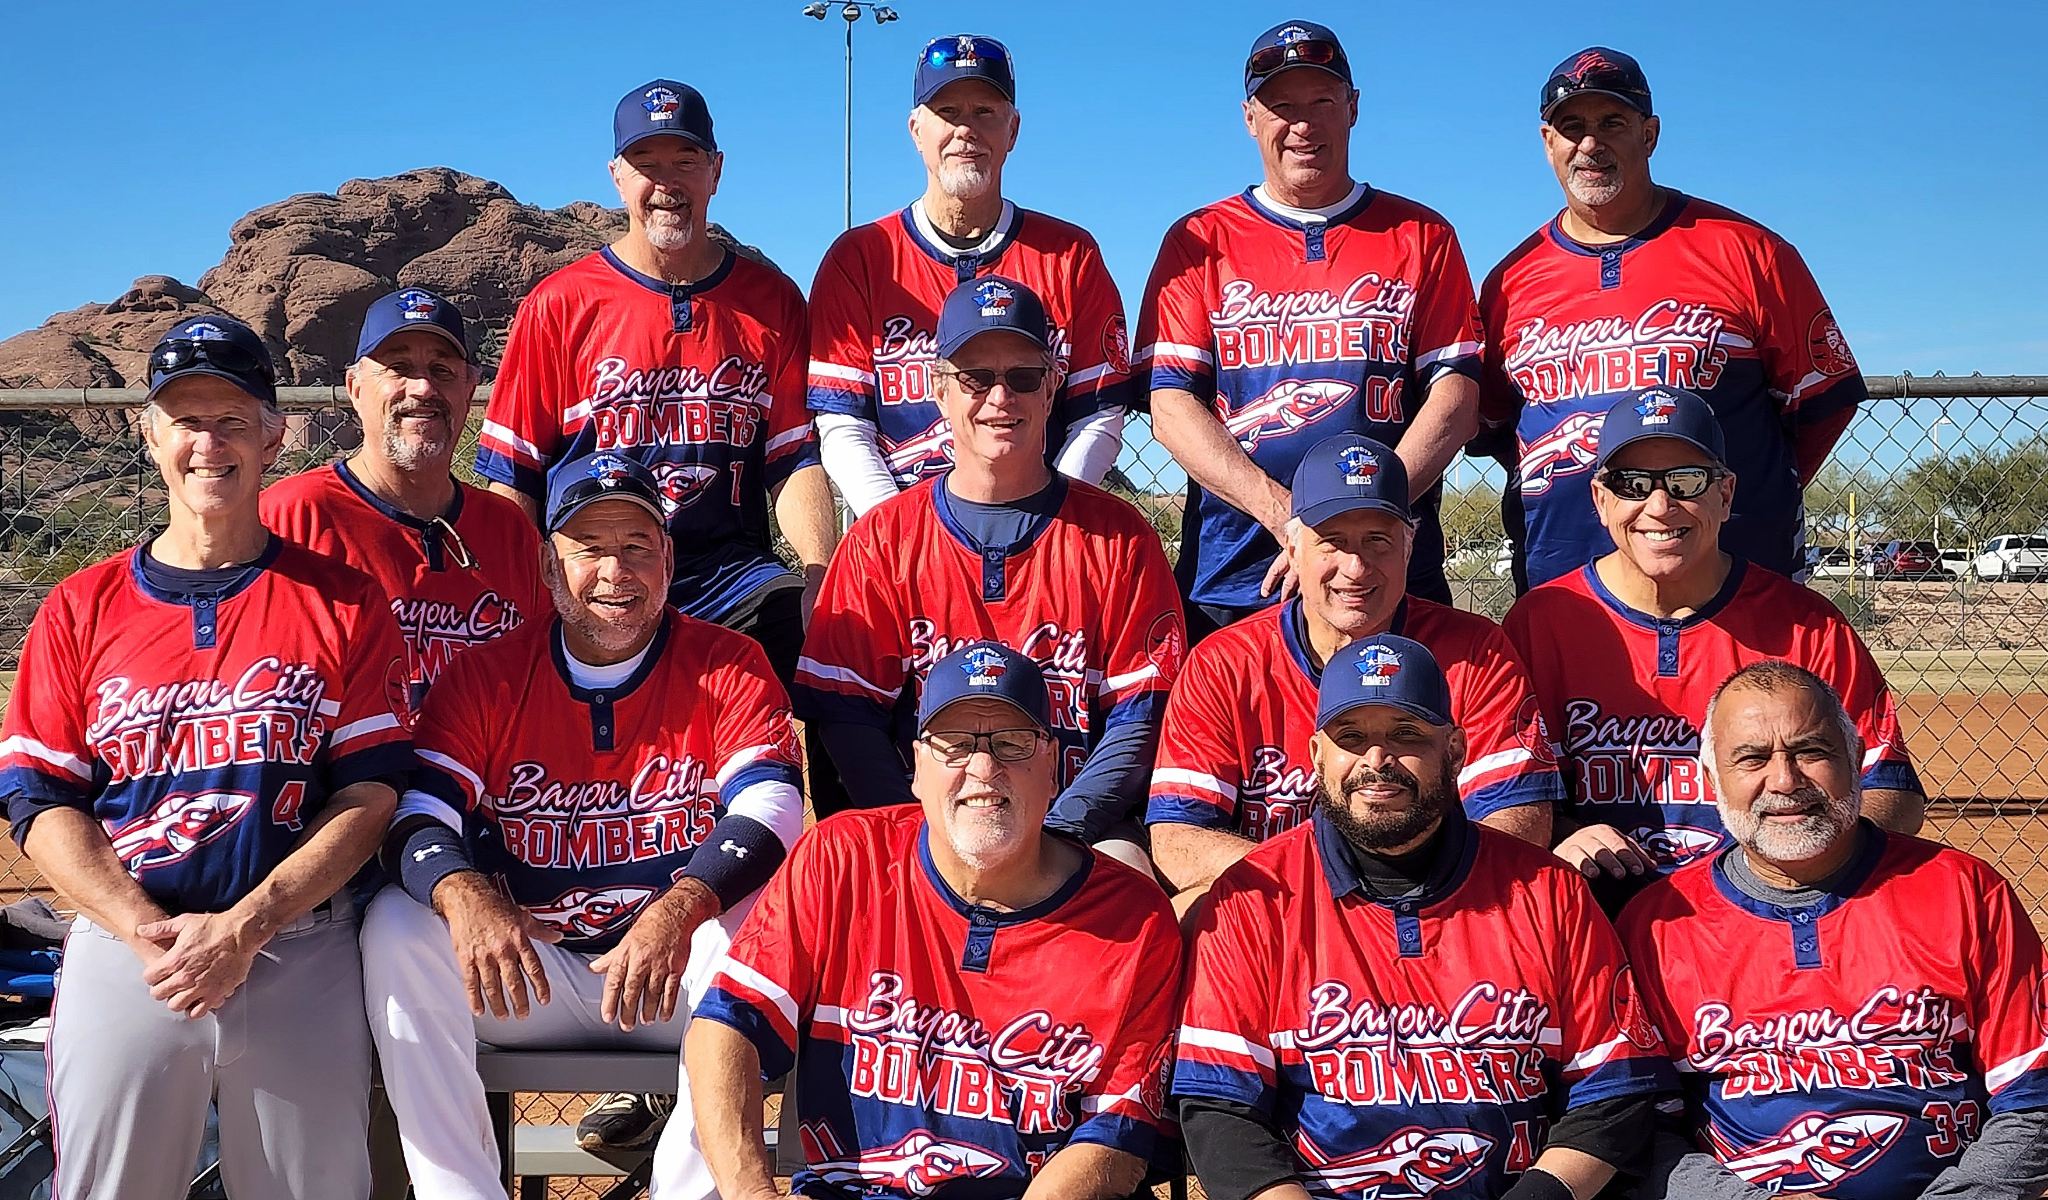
point(424, 852)
point(730, 847)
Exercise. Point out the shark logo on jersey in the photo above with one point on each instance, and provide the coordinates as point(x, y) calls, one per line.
point(593, 912)
point(1565, 450)
point(1675, 845)
point(914, 457)
point(1294, 404)
point(179, 824)
point(1412, 1164)
point(1377, 666)
point(1656, 408)
point(416, 305)
point(661, 104)
point(917, 1165)
point(682, 484)
point(1359, 465)
point(1814, 1153)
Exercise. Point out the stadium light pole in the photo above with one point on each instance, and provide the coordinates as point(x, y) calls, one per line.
point(850, 11)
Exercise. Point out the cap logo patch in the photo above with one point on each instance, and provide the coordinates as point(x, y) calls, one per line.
point(1291, 35)
point(994, 297)
point(984, 667)
point(1359, 465)
point(1656, 409)
point(964, 55)
point(1377, 666)
point(416, 305)
point(206, 331)
point(610, 470)
point(661, 104)
point(1587, 63)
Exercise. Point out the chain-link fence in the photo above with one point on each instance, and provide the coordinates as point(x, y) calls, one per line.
point(1928, 528)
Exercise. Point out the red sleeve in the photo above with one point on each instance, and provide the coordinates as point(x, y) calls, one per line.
point(46, 759)
point(1200, 752)
point(852, 669)
point(1099, 354)
point(1806, 359)
point(1129, 1093)
point(371, 737)
point(1509, 760)
point(765, 985)
point(1443, 335)
point(522, 430)
point(1500, 403)
point(1224, 1049)
point(287, 515)
point(453, 741)
point(791, 442)
point(1176, 344)
point(1610, 1048)
point(1147, 632)
point(2008, 993)
point(842, 362)
point(756, 739)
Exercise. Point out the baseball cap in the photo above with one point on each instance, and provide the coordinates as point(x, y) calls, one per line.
point(986, 304)
point(1384, 669)
point(1294, 44)
point(605, 475)
point(662, 106)
point(964, 56)
point(411, 308)
point(1348, 472)
point(1598, 71)
point(218, 345)
point(1660, 412)
point(985, 670)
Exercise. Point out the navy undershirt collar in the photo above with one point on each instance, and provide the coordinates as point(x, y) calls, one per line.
point(662, 287)
point(1834, 891)
point(1738, 569)
point(1364, 201)
point(1664, 220)
point(1294, 635)
point(1456, 848)
point(179, 585)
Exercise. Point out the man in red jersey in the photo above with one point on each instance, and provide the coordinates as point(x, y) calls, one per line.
point(202, 748)
point(461, 565)
point(1625, 651)
point(997, 1029)
point(876, 301)
point(1309, 305)
point(1000, 547)
point(1858, 1013)
point(1388, 1000)
point(1633, 286)
point(1233, 768)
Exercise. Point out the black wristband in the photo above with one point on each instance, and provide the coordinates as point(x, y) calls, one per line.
point(423, 852)
point(736, 857)
point(1537, 1185)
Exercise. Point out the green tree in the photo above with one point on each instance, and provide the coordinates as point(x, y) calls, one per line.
point(1974, 495)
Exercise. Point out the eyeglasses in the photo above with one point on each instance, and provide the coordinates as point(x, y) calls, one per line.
point(1680, 483)
point(978, 381)
point(965, 51)
point(440, 533)
point(1316, 53)
point(955, 747)
point(181, 354)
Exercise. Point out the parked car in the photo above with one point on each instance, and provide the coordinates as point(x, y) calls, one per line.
point(1832, 562)
point(1908, 560)
point(2012, 556)
point(1957, 560)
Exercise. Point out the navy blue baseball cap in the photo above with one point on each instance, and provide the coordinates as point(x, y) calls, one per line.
point(985, 670)
point(1661, 412)
point(1597, 71)
point(1348, 472)
point(605, 475)
point(662, 106)
point(411, 308)
point(1384, 669)
point(986, 304)
point(1294, 44)
point(964, 56)
point(218, 345)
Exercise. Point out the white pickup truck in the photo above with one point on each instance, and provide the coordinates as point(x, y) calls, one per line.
point(2013, 556)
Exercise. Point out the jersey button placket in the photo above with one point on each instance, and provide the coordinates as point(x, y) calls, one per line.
point(205, 619)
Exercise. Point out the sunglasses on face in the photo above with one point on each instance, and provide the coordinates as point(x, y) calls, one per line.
point(1680, 483)
point(1007, 745)
point(180, 354)
point(1315, 53)
point(945, 52)
point(979, 381)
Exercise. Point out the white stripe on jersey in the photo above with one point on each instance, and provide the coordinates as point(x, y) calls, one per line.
point(1117, 683)
point(1216, 1039)
point(70, 764)
point(1492, 762)
point(787, 436)
point(1090, 375)
point(494, 432)
point(767, 988)
point(1176, 350)
point(848, 374)
point(843, 675)
point(1454, 350)
point(363, 728)
point(1589, 1059)
point(419, 803)
point(2005, 1072)
point(476, 784)
point(1165, 777)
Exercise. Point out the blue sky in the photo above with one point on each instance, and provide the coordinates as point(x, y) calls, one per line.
point(1901, 147)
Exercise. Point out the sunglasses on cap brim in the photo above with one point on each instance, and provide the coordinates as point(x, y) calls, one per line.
point(1313, 53)
point(1681, 483)
point(947, 52)
point(1564, 87)
point(183, 354)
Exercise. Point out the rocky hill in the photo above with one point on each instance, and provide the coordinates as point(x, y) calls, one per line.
point(302, 271)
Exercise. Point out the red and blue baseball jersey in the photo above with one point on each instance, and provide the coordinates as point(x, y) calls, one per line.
point(456, 582)
point(1623, 694)
point(1233, 748)
point(1414, 1046)
point(587, 804)
point(951, 1049)
point(1854, 1047)
point(205, 734)
point(1295, 332)
point(1703, 299)
point(1086, 594)
point(702, 384)
point(874, 322)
